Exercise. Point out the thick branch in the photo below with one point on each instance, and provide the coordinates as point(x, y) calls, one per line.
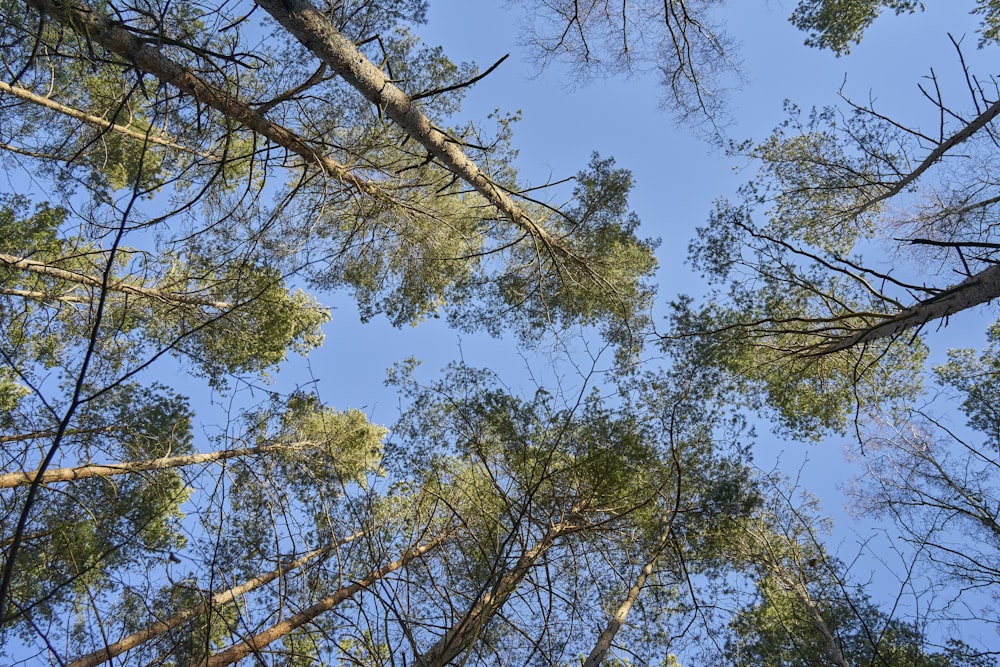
point(318, 34)
point(975, 290)
point(98, 28)
point(217, 600)
point(41, 268)
point(13, 479)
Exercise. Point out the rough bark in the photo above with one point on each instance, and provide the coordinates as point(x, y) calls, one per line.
point(230, 595)
point(279, 630)
point(975, 290)
point(13, 479)
point(318, 34)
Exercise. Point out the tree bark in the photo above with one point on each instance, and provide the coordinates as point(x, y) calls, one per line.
point(973, 291)
point(603, 643)
point(96, 27)
point(461, 635)
point(279, 630)
point(44, 269)
point(230, 595)
point(13, 479)
point(318, 34)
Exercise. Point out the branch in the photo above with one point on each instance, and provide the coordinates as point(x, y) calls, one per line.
point(41, 268)
point(95, 27)
point(279, 630)
point(96, 121)
point(973, 291)
point(13, 479)
point(318, 34)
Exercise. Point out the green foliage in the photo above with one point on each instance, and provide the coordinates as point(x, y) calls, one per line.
point(792, 282)
point(779, 631)
point(976, 374)
point(80, 537)
point(838, 24)
point(601, 282)
point(189, 643)
point(347, 440)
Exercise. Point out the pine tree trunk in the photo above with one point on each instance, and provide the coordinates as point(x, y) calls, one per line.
point(603, 644)
point(43, 269)
point(94, 26)
point(318, 34)
point(13, 479)
point(159, 627)
point(279, 630)
point(975, 290)
point(463, 633)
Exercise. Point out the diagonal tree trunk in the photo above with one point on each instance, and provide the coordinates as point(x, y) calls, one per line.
point(96, 121)
point(98, 28)
point(279, 630)
point(44, 269)
point(603, 643)
point(159, 627)
point(973, 291)
point(463, 633)
point(318, 34)
point(13, 479)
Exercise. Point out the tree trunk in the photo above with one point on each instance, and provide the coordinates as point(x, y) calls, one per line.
point(96, 27)
point(461, 635)
point(41, 268)
point(603, 644)
point(318, 34)
point(973, 291)
point(87, 118)
point(279, 630)
point(180, 618)
point(12, 479)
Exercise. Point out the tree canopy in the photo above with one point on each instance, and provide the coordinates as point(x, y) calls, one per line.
point(190, 189)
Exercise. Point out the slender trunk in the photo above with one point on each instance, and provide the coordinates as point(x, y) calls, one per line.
point(44, 269)
point(38, 435)
point(607, 636)
point(12, 479)
point(973, 291)
point(279, 630)
point(463, 633)
point(318, 34)
point(96, 121)
point(159, 627)
point(935, 156)
point(832, 646)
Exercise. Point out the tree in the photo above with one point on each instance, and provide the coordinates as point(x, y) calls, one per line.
point(794, 288)
point(207, 174)
point(805, 612)
point(935, 480)
point(679, 40)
